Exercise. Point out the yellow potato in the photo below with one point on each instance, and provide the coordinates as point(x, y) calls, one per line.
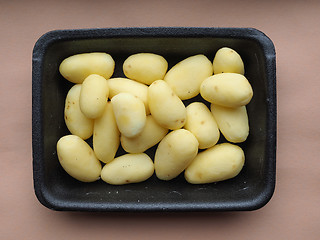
point(128, 168)
point(106, 136)
point(218, 163)
point(78, 67)
point(119, 85)
point(130, 114)
point(93, 96)
point(77, 123)
point(150, 136)
point(145, 67)
point(165, 106)
point(232, 122)
point(186, 77)
point(202, 124)
point(174, 153)
point(227, 60)
point(78, 159)
point(227, 89)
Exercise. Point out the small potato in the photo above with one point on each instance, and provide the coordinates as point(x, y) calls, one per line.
point(93, 96)
point(128, 168)
point(145, 67)
point(165, 106)
point(232, 122)
point(174, 153)
point(202, 124)
point(119, 85)
point(106, 136)
point(220, 162)
point(77, 123)
point(78, 67)
point(186, 77)
point(150, 136)
point(227, 60)
point(78, 159)
point(227, 89)
point(130, 114)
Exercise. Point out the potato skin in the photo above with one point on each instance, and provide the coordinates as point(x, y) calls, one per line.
point(220, 162)
point(77, 123)
point(78, 67)
point(78, 159)
point(227, 60)
point(174, 153)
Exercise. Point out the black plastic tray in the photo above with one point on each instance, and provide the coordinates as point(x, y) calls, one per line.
point(250, 190)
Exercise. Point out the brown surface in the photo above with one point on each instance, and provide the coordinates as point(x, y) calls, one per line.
point(293, 212)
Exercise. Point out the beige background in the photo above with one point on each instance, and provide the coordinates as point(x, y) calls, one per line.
point(293, 212)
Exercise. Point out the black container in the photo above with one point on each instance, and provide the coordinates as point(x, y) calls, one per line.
point(250, 190)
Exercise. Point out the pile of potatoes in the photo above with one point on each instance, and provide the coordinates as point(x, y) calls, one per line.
point(146, 109)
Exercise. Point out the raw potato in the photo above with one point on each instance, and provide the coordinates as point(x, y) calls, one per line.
point(150, 136)
point(128, 168)
point(119, 85)
point(93, 96)
point(165, 106)
point(218, 163)
point(186, 77)
point(227, 89)
point(202, 124)
point(227, 60)
point(232, 122)
point(174, 153)
point(78, 67)
point(106, 136)
point(130, 114)
point(145, 67)
point(77, 123)
point(78, 159)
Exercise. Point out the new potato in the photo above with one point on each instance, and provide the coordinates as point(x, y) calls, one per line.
point(227, 60)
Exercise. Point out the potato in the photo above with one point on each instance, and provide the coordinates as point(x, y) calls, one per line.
point(145, 67)
point(128, 168)
point(78, 159)
point(150, 136)
point(93, 96)
point(186, 77)
point(201, 123)
point(78, 67)
point(220, 162)
point(77, 123)
point(232, 122)
point(130, 114)
point(174, 153)
point(119, 85)
point(227, 60)
point(227, 89)
point(106, 136)
point(165, 106)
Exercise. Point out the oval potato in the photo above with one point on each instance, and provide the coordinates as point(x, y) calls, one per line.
point(106, 136)
point(201, 123)
point(150, 136)
point(128, 168)
point(130, 114)
point(220, 162)
point(78, 159)
point(78, 67)
point(186, 76)
point(227, 60)
point(119, 85)
point(77, 123)
point(145, 67)
point(232, 122)
point(93, 96)
point(227, 89)
point(174, 153)
point(165, 106)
